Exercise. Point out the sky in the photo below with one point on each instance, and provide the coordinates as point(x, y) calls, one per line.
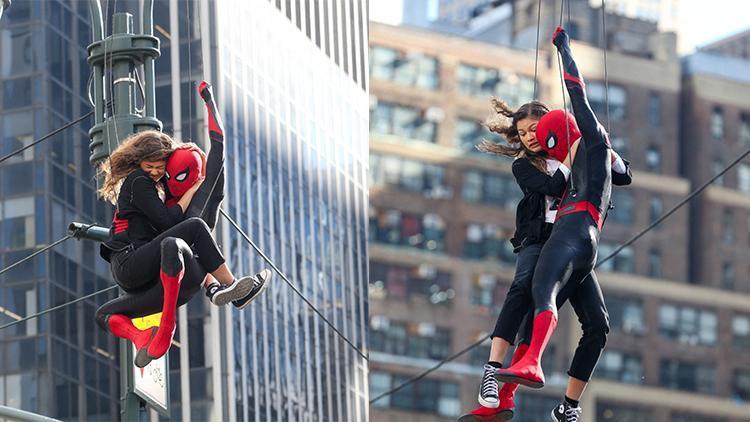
point(702, 24)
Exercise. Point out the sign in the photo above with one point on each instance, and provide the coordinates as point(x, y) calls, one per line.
point(152, 382)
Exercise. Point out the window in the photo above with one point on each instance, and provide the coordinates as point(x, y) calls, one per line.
point(469, 133)
point(17, 93)
point(688, 325)
point(744, 130)
point(653, 159)
point(598, 100)
point(18, 51)
point(622, 213)
point(685, 376)
point(420, 283)
point(487, 292)
point(427, 395)
point(626, 314)
point(488, 241)
point(654, 109)
point(727, 276)
point(481, 81)
point(743, 178)
point(408, 175)
point(727, 226)
point(420, 340)
point(380, 383)
point(609, 412)
point(491, 189)
point(718, 167)
point(741, 331)
point(622, 262)
point(654, 263)
point(655, 209)
point(717, 124)
point(413, 68)
point(741, 385)
point(419, 231)
point(619, 366)
point(403, 121)
point(17, 131)
point(620, 145)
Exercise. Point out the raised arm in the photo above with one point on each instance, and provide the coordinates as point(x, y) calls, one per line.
point(589, 126)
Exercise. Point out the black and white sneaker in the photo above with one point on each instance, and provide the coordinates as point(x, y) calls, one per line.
point(260, 282)
point(564, 412)
point(488, 390)
point(221, 294)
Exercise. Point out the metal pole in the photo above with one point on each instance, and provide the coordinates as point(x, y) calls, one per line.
point(121, 52)
point(5, 5)
point(22, 415)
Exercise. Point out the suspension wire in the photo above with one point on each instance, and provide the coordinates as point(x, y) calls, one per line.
point(111, 77)
point(433, 369)
point(606, 76)
point(47, 136)
point(294, 288)
point(536, 59)
point(39, 252)
point(565, 101)
point(64, 305)
point(191, 83)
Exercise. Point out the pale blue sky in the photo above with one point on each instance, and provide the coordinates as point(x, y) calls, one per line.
point(701, 24)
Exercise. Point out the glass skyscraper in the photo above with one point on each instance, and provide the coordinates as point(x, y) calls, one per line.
point(290, 78)
point(58, 365)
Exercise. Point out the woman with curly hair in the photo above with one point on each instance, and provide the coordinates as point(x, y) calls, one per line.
point(160, 249)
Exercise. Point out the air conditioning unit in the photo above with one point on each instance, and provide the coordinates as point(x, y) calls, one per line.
point(427, 271)
point(434, 114)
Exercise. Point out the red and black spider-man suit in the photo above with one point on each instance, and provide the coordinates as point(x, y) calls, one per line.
point(570, 253)
point(181, 269)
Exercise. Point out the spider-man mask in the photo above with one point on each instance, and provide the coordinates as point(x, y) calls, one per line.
point(554, 137)
point(184, 166)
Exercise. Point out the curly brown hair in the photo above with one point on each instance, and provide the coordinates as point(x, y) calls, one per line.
point(149, 145)
point(509, 130)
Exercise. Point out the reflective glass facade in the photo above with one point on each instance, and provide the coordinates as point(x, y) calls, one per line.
point(59, 365)
point(297, 120)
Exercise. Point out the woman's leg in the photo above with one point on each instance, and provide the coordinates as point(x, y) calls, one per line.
point(517, 303)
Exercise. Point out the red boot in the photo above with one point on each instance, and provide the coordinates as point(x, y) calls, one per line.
point(508, 390)
point(163, 339)
point(122, 327)
point(528, 371)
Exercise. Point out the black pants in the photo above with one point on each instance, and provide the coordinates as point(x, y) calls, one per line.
point(137, 271)
point(586, 298)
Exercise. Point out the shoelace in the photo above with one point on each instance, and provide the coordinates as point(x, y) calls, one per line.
point(489, 382)
point(572, 414)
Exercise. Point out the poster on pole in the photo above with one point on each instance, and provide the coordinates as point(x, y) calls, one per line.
point(152, 382)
